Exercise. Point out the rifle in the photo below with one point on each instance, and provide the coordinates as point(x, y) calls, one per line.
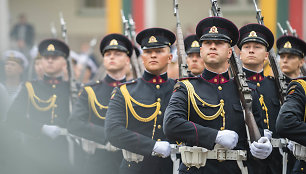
point(284, 32)
point(183, 67)
point(133, 39)
point(243, 88)
point(127, 33)
point(72, 80)
point(293, 32)
point(278, 75)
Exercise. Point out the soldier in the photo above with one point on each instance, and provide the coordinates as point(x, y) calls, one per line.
point(290, 50)
point(254, 43)
point(41, 111)
point(134, 119)
point(88, 114)
point(194, 61)
point(290, 122)
point(205, 111)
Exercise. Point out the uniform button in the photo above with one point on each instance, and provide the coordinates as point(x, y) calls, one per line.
point(129, 165)
point(263, 108)
point(159, 126)
point(54, 96)
point(158, 100)
point(157, 86)
point(158, 139)
point(53, 86)
point(97, 81)
point(160, 112)
point(220, 88)
point(258, 84)
point(265, 120)
point(302, 169)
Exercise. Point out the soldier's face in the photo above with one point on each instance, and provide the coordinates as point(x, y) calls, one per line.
point(115, 60)
point(13, 69)
point(53, 65)
point(253, 55)
point(156, 60)
point(195, 63)
point(290, 64)
point(215, 53)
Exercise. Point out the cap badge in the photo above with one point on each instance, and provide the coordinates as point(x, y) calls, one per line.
point(213, 30)
point(287, 45)
point(152, 39)
point(113, 42)
point(252, 34)
point(195, 44)
point(51, 47)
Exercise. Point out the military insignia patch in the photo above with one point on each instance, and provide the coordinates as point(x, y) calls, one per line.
point(51, 47)
point(195, 44)
point(113, 94)
point(291, 89)
point(287, 45)
point(152, 39)
point(252, 34)
point(213, 30)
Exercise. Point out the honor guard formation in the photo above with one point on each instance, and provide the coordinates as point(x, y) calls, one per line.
point(128, 116)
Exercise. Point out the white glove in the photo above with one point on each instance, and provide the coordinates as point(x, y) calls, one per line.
point(227, 138)
point(261, 149)
point(268, 133)
point(51, 130)
point(162, 148)
point(290, 145)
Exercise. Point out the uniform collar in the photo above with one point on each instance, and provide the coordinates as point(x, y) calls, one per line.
point(215, 78)
point(253, 76)
point(287, 79)
point(112, 82)
point(53, 80)
point(154, 78)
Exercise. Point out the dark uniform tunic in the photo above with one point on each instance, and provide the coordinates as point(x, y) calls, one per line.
point(270, 106)
point(135, 122)
point(87, 121)
point(194, 128)
point(43, 102)
point(291, 120)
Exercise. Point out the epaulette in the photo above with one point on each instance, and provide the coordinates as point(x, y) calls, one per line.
point(189, 78)
point(128, 82)
point(93, 83)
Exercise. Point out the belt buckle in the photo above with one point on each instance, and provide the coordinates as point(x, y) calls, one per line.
point(221, 155)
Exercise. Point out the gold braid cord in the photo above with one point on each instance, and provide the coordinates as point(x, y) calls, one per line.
point(264, 107)
point(192, 95)
point(128, 105)
point(303, 83)
point(33, 97)
point(92, 101)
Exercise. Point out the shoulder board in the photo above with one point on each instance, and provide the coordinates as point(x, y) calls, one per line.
point(188, 78)
point(93, 83)
point(291, 89)
point(128, 82)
